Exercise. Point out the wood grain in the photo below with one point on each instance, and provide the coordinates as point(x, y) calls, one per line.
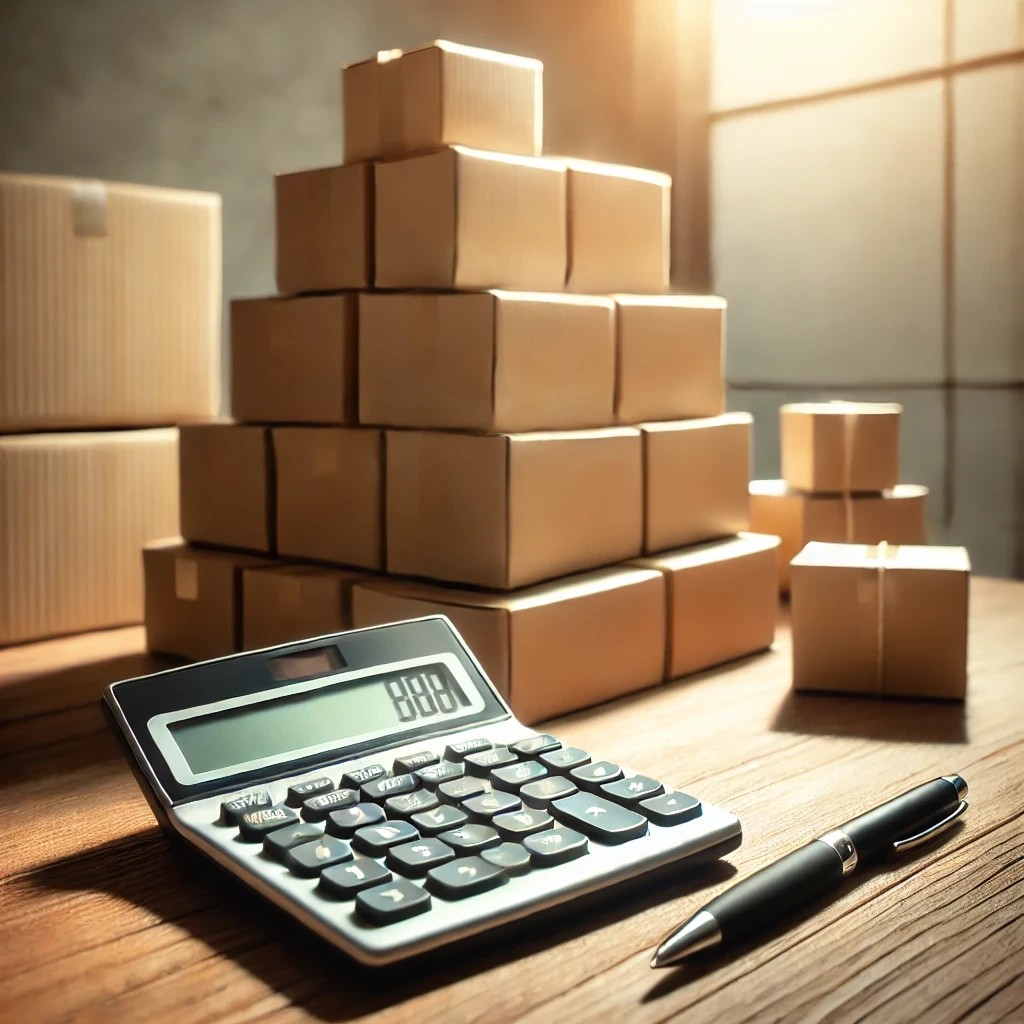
point(101, 919)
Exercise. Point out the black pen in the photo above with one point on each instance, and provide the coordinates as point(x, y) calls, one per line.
point(768, 895)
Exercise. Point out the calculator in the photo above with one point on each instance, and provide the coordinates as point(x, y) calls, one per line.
point(374, 785)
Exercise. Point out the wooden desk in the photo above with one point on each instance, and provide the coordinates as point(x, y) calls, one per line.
point(101, 919)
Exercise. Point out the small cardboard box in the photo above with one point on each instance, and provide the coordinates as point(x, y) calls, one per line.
point(109, 304)
point(440, 94)
point(194, 599)
point(74, 511)
point(696, 474)
point(840, 447)
point(508, 510)
point(549, 649)
point(324, 226)
point(722, 601)
point(330, 494)
point(889, 620)
point(294, 360)
point(465, 219)
point(671, 357)
point(619, 228)
point(281, 603)
point(897, 515)
point(490, 361)
point(227, 486)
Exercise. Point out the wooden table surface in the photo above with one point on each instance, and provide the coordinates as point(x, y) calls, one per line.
point(101, 919)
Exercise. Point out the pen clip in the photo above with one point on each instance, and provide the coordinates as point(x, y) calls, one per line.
point(912, 842)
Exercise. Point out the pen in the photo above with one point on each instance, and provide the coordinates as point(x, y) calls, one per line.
point(770, 894)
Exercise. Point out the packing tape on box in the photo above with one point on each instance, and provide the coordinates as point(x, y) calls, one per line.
point(849, 428)
point(89, 209)
point(390, 108)
point(884, 552)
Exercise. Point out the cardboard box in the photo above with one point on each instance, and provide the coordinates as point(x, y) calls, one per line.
point(488, 361)
point(440, 94)
point(194, 599)
point(465, 219)
point(508, 510)
point(722, 601)
point(897, 515)
point(696, 474)
point(294, 360)
point(889, 620)
point(110, 300)
point(324, 229)
point(837, 447)
point(281, 603)
point(330, 494)
point(671, 357)
point(549, 649)
point(619, 228)
point(227, 486)
point(74, 511)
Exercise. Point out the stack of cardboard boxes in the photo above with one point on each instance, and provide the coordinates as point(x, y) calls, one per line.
point(454, 408)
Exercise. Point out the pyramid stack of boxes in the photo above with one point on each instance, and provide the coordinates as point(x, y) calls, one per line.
point(454, 407)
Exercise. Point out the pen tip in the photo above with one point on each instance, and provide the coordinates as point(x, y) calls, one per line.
point(654, 961)
point(700, 932)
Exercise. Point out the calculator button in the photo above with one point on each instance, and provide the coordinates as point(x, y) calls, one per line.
point(358, 776)
point(512, 857)
point(671, 808)
point(440, 819)
point(600, 818)
point(471, 838)
point(534, 745)
point(376, 840)
point(457, 751)
point(394, 901)
point(231, 811)
point(277, 843)
point(254, 825)
point(345, 880)
point(410, 762)
point(519, 824)
point(490, 804)
point(543, 791)
point(481, 763)
point(457, 790)
point(631, 791)
point(298, 793)
point(464, 877)
point(316, 808)
point(433, 776)
point(404, 806)
point(309, 859)
point(514, 776)
point(417, 858)
point(555, 846)
point(389, 785)
point(594, 776)
point(346, 822)
point(565, 759)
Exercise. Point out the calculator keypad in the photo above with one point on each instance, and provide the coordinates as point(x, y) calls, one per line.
point(433, 776)
point(301, 791)
point(231, 811)
point(466, 876)
point(457, 790)
point(410, 804)
point(599, 818)
point(419, 856)
point(440, 819)
point(317, 808)
point(513, 777)
point(389, 785)
point(277, 843)
point(593, 776)
point(457, 751)
point(343, 881)
point(483, 762)
point(542, 792)
point(359, 776)
point(511, 857)
point(471, 838)
point(393, 901)
point(485, 807)
point(349, 820)
point(376, 840)
point(254, 825)
point(309, 859)
point(555, 846)
point(565, 759)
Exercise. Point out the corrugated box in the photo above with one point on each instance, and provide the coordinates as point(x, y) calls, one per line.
point(294, 360)
point(671, 357)
point(109, 304)
point(465, 219)
point(74, 511)
point(722, 601)
point(696, 474)
point(330, 494)
point(324, 229)
point(194, 599)
point(440, 94)
point(619, 228)
point(227, 486)
point(896, 515)
point(549, 649)
point(889, 620)
point(490, 361)
point(508, 510)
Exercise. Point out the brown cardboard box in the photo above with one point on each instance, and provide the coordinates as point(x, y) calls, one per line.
point(549, 649)
point(696, 474)
point(439, 94)
point(722, 601)
point(507, 510)
point(324, 223)
point(489, 361)
point(194, 599)
point(897, 515)
point(671, 357)
point(465, 219)
point(619, 226)
point(281, 603)
point(74, 511)
point(227, 486)
point(330, 494)
point(889, 620)
point(836, 447)
point(109, 304)
point(294, 360)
